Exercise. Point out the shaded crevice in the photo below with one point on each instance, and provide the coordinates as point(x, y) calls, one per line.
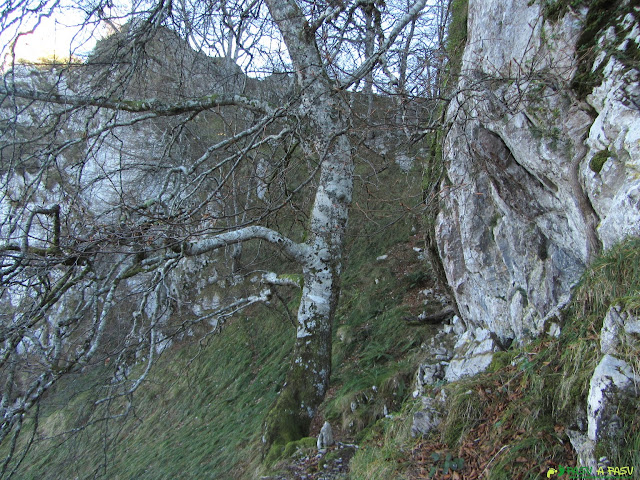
point(518, 187)
point(589, 215)
point(433, 256)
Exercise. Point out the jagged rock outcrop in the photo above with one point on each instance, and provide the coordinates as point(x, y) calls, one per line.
point(540, 176)
point(613, 383)
point(473, 353)
point(542, 159)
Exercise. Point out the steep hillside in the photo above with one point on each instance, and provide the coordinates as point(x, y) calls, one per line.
point(488, 325)
point(198, 415)
point(200, 412)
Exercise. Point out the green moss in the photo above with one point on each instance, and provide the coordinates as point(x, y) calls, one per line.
point(283, 423)
point(501, 360)
point(306, 443)
point(556, 9)
point(456, 38)
point(275, 453)
point(290, 416)
point(279, 451)
point(598, 160)
point(294, 277)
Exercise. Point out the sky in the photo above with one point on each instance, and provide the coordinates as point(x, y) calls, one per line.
point(50, 38)
point(53, 30)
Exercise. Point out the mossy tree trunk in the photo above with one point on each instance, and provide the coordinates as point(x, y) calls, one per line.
point(308, 377)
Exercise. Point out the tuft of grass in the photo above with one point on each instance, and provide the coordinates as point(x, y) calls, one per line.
point(385, 444)
point(464, 412)
point(612, 279)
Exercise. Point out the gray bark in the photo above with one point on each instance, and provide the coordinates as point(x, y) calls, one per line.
point(308, 377)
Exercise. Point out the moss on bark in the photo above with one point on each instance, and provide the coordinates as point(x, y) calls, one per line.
point(306, 384)
point(456, 38)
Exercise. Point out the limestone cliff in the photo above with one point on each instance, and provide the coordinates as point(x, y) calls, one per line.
point(542, 157)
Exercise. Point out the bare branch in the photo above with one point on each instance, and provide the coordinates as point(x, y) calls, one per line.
point(140, 106)
point(299, 251)
point(371, 62)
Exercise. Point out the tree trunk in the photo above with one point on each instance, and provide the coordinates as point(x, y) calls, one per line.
point(308, 377)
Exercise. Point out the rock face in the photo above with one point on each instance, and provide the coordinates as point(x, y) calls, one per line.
point(542, 159)
point(539, 176)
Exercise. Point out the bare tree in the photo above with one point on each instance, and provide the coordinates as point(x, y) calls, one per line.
point(118, 169)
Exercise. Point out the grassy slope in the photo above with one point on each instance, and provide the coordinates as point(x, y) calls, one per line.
point(200, 413)
point(198, 416)
point(510, 422)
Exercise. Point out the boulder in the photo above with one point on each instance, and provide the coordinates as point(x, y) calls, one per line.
point(618, 328)
point(325, 437)
point(427, 419)
point(612, 381)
